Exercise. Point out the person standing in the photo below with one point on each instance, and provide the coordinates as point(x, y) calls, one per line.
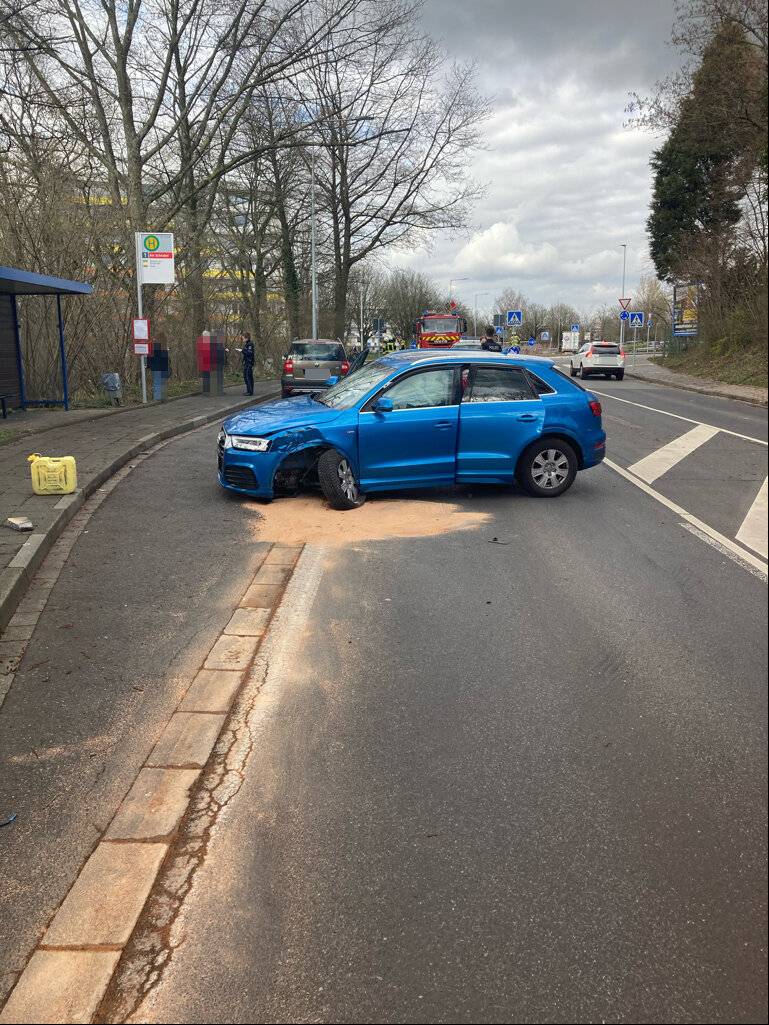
point(490, 343)
point(248, 354)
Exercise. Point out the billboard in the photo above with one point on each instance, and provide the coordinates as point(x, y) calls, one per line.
point(685, 301)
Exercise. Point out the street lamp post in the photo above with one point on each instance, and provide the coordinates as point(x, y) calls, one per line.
point(313, 261)
point(622, 322)
point(451, 286)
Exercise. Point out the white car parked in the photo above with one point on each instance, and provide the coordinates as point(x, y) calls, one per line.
point(598, 358)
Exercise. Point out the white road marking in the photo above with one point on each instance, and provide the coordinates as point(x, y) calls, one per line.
point(725, 542)
point(759, 574)
point(677, 416)
point(663, 459)
point(754, 527)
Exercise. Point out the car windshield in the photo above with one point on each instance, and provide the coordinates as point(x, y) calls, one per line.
point(317, 350)
point(439, 326)
point(353, 388)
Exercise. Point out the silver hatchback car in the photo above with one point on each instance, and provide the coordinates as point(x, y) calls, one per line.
point(310, 364)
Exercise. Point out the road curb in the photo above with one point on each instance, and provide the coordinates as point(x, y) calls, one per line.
point(720, 393)
point(15, 578)
point(70, 970)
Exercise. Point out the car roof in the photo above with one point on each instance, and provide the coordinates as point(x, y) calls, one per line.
point(424, 357)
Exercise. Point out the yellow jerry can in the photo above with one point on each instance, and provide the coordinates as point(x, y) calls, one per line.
point(51, 475)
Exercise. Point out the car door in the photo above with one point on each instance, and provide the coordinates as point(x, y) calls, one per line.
point(414, 444)
point(499, 416)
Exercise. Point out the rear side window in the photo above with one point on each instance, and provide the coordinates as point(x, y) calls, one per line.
point(498, 384)
point(540, 387)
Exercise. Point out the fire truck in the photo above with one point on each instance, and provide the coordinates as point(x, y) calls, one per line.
point(439, 330)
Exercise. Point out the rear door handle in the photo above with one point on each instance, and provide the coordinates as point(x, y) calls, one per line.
point(528, 417)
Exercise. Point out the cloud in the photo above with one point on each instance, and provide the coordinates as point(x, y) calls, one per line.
point(567, 182)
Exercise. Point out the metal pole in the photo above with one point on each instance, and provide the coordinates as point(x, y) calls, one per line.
point(648, 330)
point(635, 341)
point(137, 237)
point(361, 320)
point(622, 322)
point(312, 253)
point(19, 354)
point(62, 354)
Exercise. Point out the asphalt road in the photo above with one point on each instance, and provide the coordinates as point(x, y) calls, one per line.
point(493, 782)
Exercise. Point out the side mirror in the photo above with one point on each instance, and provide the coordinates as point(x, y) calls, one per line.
point(383, 405)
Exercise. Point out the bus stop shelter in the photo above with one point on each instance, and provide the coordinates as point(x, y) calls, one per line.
point(15, 284)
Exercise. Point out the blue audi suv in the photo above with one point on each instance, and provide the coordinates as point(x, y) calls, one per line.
point(419, 419)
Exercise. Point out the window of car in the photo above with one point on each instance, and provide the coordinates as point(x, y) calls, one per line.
point(498, 384)
point(540, 387)
point(434, 387)
point(350, 390)
point(606, 349)
point(317, 350)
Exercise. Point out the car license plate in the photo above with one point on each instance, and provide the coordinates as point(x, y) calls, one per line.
point(317, 375)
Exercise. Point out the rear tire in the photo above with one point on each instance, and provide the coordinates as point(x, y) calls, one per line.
point(337, 481)
point(620, 374)
point(285, 393)
point(583, 373)
point(547, 468)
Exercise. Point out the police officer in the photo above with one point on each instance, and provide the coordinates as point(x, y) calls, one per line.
point(248, 354)
point(490, 343)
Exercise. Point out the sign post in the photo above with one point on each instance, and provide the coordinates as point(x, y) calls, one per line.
point(636, 321)
point(155, 265)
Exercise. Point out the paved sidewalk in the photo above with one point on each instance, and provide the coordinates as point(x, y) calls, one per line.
point(645, 370)
point(100, 444)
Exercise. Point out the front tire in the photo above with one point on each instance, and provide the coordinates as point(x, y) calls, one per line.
point(337, 481)
point(572, 371)
point(547, 468)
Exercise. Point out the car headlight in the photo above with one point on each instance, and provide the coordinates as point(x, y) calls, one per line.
point(247, 444)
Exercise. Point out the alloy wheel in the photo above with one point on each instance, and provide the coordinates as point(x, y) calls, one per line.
point(550, 469)
point(347, 480)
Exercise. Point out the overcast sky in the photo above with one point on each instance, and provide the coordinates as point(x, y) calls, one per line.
point(566, 181)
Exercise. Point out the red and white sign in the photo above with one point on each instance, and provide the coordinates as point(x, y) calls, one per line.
point(624, 303)
point(141, 329)
point(142, 348)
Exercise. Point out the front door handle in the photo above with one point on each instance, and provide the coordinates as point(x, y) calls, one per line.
point(443, 425)
point(528, 417)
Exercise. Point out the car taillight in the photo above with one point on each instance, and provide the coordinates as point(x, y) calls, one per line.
point(595, 407)
point(344, 367)
point(590, 352)
point(288, 366)
point(622, 354)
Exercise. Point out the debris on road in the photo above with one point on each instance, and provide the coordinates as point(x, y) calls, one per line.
point(9, 820)
point(496, 541)
point(19, 523)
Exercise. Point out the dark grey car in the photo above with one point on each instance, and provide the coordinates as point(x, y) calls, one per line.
point(310, 363)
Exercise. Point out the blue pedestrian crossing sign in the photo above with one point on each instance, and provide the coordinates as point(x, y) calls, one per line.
point(624, 315)
point(636, 320)
point(514, 318)
point(575, 327)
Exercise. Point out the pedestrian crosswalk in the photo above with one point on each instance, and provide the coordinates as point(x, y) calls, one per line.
point(714, 477)
point(663, 459)
point(753, 531)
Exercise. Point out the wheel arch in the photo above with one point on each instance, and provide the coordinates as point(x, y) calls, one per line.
point(557, 435)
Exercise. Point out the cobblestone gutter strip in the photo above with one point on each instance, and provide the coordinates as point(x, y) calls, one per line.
point(70, 970)
point(16, 577)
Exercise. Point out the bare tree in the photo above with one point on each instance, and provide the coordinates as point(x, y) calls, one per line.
point(397, 126)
